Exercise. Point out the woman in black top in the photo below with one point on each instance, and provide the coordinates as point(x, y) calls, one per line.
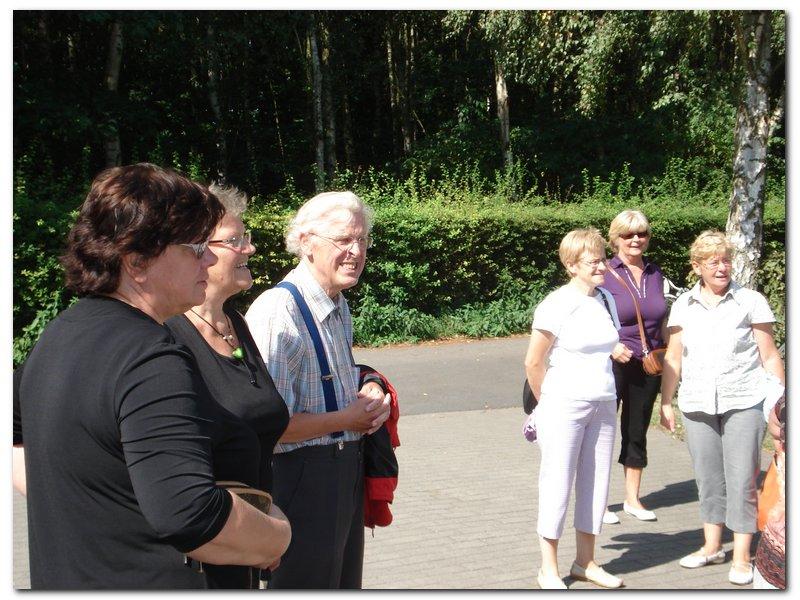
point(119, 436)
point(231, 364)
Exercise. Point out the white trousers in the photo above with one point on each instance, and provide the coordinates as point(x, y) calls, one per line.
point(576, 439)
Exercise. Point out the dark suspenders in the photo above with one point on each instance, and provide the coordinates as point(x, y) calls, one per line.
point(319, 349)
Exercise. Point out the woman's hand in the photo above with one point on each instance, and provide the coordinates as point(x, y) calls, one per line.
point(774, 428)
point(621, 353)
point(668, 417)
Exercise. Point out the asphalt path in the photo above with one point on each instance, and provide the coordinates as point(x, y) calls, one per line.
point(435, 377)
point(452, 375)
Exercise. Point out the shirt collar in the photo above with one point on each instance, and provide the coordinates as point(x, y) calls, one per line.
point(318, 301)
point(616, 263)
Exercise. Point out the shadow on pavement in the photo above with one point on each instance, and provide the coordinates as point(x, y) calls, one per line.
point(645, 550)
point(672, 494)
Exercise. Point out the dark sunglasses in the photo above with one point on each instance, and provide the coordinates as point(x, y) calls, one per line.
point(629, 236)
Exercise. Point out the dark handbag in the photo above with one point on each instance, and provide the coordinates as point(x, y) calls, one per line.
point(529, 401)
point(652, 359)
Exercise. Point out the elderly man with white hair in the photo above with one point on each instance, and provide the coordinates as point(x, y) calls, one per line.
point(318, 464)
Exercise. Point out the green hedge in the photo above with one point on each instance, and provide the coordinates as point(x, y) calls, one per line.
point(440, 269)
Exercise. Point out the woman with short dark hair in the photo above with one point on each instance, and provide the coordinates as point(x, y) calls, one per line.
point(120, 436)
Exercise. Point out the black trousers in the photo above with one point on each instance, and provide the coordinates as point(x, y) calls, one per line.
point(636, 391)
point(321, 490)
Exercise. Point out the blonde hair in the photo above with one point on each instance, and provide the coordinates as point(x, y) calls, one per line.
point(314, 213)
point(578, 241)
point(626, 222)
point(710, 243)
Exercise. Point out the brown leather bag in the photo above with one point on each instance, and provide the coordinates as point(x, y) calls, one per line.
point(253, 496)
point(652, 359)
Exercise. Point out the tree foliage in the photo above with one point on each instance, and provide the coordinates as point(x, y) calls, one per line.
point(406, 96)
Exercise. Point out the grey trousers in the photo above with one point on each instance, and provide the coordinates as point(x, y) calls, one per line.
point(726, 456)
point(321, 490)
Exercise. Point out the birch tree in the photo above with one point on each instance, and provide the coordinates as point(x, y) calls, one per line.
point(751, 137)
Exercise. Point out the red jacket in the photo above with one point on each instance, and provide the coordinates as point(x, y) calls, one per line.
point(380, 462)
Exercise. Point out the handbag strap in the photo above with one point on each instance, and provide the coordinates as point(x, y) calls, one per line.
point(645, 346)
point(319, 349)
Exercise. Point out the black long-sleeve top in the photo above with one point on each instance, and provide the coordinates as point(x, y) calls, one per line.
point(120, 438)
point(244, 389)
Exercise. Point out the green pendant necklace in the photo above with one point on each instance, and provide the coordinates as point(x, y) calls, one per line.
point(237, 350)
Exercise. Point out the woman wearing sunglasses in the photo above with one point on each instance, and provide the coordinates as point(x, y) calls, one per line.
point(231, 364)
point(634, 280)
point(731, 374)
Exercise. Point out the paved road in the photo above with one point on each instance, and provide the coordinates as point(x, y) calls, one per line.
point(465, 508)
point(453, 376)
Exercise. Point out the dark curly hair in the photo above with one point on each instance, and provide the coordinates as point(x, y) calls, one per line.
point(136, 209)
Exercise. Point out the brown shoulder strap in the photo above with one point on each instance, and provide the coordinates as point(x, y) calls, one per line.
point(645, 347)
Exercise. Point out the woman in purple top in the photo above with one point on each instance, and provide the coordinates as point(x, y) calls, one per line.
point(629, 236)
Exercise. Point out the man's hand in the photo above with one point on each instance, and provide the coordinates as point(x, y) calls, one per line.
point(379, 404)
point(370, 409)
point(621, 353)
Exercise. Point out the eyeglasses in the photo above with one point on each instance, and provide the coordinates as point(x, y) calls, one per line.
point(198, 249)
point(630, 235)
point(345, 243)
point(594, 263)
point(237, 242)
point(716, 262)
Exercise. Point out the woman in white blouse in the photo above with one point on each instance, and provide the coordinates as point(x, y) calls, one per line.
point(568, 365)
point(722, 350)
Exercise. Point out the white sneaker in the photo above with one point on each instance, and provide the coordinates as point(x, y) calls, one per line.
point(610, 518)
point(698, 559)
point(640, 513)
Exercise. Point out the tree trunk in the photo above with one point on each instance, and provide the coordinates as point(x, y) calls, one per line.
point(316, 80)
point(277, 126)
point(503, 113)
point(745, 217)
point(406, 89)
point(394, 94)
point(213, 99)
point(329, 109)
point(111, 142)
point(347, 130)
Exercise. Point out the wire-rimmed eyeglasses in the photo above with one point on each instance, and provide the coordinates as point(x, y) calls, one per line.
point(345, 243)
point(237, 242)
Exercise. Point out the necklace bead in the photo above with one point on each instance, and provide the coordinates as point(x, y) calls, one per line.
point(227, 338)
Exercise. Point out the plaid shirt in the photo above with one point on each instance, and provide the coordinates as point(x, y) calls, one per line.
point(281, 335)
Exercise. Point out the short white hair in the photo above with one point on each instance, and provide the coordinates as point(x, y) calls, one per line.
point(314, 215)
